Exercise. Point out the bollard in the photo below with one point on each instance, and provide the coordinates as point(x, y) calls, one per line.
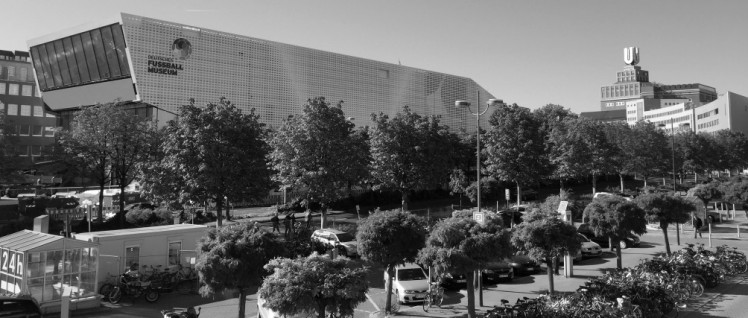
point(738, 226)
point(710, 234)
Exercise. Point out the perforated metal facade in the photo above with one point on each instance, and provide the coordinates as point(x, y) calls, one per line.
point(172, 63)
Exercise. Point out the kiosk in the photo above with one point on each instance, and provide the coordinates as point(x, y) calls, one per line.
point(48, 267)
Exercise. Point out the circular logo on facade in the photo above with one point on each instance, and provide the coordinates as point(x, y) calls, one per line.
point(181, 49)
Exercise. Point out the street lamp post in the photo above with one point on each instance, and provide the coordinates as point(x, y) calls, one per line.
point(672, 147)
point(477, 114)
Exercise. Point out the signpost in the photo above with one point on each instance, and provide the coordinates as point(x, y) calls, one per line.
point(68, 215)
point(479, 217)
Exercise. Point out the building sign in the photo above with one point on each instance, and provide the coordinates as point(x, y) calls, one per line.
point(631, 55)
point(71, 214)
point(11, 263)
point(479, 217)
point(163, 65)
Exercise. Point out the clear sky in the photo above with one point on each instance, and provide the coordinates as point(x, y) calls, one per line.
point(527, 52)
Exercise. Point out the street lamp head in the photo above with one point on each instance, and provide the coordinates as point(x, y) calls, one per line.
point(350, 118)
point(495, 102)
point(462, 104)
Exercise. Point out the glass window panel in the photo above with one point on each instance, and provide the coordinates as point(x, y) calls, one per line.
point(54, 260)
point(35, 267)
point(43, 73)
point(26, 90)
point(73, 256)
point(24, 130)
point(2, 88)
point(23, 151)
point(93, 68)
point(174, 248)
point(53, 64)
point(100, 54)
point(11, 72)
point(24, 74)
point(62, 62)
point(67, 43)
point(80, 56)
point(119, 42)
point(12, 109)
point(38, 111)
point(36, 288)
point(89, 259)
point(25, 110)
point(37, 130)
point(13, 89)
point(132, 256)
point(111, 51)
point(56, 284)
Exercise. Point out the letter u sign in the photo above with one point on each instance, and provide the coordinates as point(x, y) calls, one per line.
point(631, 55)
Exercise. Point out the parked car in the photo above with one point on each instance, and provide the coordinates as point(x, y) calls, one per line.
point(140, 206)
point(409, 284)
point(630, 241)
point(523, 265)
point(498, 271)
point(343, 241)
point(454, 280)
point(608, 194)
point(19, 306)
point(589, 248)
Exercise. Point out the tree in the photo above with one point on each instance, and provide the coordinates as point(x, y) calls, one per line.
point(458, 184)
point(382, 240)
point(665, 209)
point(89, 141)
point(695, 152)
point(647, 151)
point(9, 160)
point(314, 284)
point(319, 152)
point(734, 145)
point(705, 193)
point(545, 237)
point(620, 136)
point(514, 148)
point(461, 244)
point(234, 257)
point(214, 153)
point(735, 191)
point(597, 148)
point(409, 152)
point(616, 218)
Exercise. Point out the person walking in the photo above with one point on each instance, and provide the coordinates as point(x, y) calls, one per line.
point(287, 224)
point(308, 218)
point(697, 224)
point(276, 222)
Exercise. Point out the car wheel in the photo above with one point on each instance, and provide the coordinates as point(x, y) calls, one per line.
point(623, 244)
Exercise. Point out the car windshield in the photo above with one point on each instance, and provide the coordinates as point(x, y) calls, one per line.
point(345, 237)
point(583, 238)
point(410, 274)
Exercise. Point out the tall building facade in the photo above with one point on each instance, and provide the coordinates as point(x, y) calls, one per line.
point(28, 122)
point(166, 64)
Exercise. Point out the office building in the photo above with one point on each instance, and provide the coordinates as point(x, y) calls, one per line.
point(165, 64)
point(30, 125)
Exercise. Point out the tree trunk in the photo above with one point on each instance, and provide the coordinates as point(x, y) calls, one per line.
point(620, 175)
point(645, 181)
point(405, 199)
point(219, 211)
point(322, 215)
point(519, 201)
point(695, 177)
point(242, 301)
point(610, 243)
point(549, 264)
point(561, 187)
point(470, 275)
point(663, 226)
point(122, 203)
point(618, 256)
point(320, 309)
point(594, 184)
point(100, 210)
point(388, 287)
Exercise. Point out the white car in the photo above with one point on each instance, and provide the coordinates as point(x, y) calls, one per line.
point(589, 248)
point(410, 283)
point(343, 241)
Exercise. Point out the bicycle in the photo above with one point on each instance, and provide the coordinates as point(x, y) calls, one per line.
point(434, 296)
point(108, 286)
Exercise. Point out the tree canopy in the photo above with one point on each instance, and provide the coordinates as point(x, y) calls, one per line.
point(234, 257)
point(314, 284)
point(382, 240)
point(665, 209)
point(460, 244)
point(319, 152)
point(213, 153)
point(705, 192)
point(410, 152)
point(616, 218)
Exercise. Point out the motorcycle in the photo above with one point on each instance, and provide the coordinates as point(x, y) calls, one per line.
point(129, 284)
point(181, 312)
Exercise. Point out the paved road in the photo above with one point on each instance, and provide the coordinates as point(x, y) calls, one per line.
point(727, 300)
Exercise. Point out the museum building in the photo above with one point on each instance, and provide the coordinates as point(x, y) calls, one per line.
point(165, 65)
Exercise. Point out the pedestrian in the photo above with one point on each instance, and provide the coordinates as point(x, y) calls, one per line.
point(287, 224)
point(308, 218)
point(697, 224)
point(276, 222)
point(293, 220)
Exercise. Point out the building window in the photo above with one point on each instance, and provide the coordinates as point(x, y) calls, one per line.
point(37, 131)
point(11, 71)
point(175, 249)
point(24, 130)
point(25, 110)
point(38, 111)
point(13, 89)
point(132, 256)
point(24, 74)
point(49, 131)
point(12, 110)
point(36, 150)
point(23, 151)
point(2, 88)
point(26, 90)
